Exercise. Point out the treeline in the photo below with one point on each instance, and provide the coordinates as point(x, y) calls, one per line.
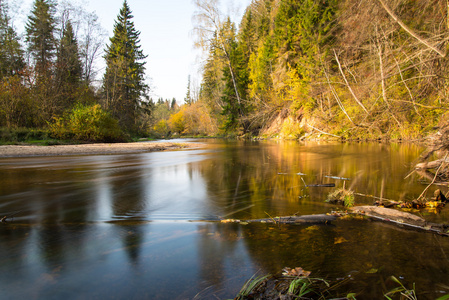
point(351, 68)
point(47, 79)
point(348, 69)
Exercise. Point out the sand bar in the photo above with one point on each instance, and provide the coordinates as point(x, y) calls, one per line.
point(88, 149)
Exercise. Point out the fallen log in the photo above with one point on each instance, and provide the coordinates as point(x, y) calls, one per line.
point(390, 214)
point(307, 219)
point(435, 164)
point(378, 213)
point(400, 218)
point(321, 185)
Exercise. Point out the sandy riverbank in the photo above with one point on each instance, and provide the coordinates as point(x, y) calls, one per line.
point(87, 149)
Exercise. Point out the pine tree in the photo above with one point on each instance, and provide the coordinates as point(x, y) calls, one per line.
point(11, 53)
point(68, 66)
point(40, 35)
point(174, 104)
point(188, 98)
point(124, 82)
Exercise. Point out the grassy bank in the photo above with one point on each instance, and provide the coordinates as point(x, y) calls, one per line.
point(33, 136)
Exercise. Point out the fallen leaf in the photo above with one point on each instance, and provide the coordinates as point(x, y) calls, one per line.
point(340, 240)
point(229, 221)
point(297, 272)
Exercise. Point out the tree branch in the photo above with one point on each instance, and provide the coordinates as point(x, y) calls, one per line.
point(409, 31)
point(347, 83)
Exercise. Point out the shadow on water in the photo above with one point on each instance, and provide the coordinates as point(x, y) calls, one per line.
point(120, 226)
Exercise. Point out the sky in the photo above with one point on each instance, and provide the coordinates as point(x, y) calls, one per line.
point(166, 38)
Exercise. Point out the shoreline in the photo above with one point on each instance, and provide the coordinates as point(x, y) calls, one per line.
point(7, 151)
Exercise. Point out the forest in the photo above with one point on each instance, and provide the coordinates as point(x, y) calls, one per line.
point(48, 84)
point(290, 69)
point(349, 69)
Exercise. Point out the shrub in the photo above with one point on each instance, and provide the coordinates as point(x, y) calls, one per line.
point(177, 122)
point(161, 128)
point(198, 120)
point(87, 123)
point(291, 129)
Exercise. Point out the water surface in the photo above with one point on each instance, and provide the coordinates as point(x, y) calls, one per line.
point(143, 226)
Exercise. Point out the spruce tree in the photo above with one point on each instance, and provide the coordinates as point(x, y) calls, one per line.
point(188, 98)
point(124, 82)
point(68, 66)
point(174, 104)
point(247, 34)
point(11, 53)
point(236, 80)
point(40, 35)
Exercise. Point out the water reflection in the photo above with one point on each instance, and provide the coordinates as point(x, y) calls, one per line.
point(116, 226)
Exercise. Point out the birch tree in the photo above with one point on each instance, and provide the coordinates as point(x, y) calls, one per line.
point(212, 27)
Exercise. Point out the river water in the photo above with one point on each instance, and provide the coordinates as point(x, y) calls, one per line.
point(144, 226)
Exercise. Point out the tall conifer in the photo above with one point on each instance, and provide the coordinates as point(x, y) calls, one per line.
point(11, 53)
point(188, 98)
point(40, 35)
point(68, 66)
point(124, 82)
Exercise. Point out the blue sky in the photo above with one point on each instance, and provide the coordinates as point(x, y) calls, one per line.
point(165, 27)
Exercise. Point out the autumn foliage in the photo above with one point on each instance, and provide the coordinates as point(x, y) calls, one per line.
point(329, 67)
point(87, 123)
point(194, 119)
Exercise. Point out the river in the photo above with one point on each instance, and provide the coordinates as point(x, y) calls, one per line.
point(144, 226)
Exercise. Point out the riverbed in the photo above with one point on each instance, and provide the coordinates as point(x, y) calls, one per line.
point(146, 225)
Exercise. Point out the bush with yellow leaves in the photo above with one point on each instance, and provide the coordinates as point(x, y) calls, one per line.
point(194, 119)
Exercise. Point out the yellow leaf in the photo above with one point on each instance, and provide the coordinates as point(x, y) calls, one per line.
point(340, 240)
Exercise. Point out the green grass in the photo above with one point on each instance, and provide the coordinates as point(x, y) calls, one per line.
point(402, 291)
point(303, 287)
point(12, 136)
point(342, 195)
point(251, 286)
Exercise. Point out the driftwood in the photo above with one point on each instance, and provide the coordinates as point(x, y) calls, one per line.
point(400, 218)
point(390, 214)
point(308, 219)
point(321, 185)
point(4, 218)
point(378, 213)
point(435, 164)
